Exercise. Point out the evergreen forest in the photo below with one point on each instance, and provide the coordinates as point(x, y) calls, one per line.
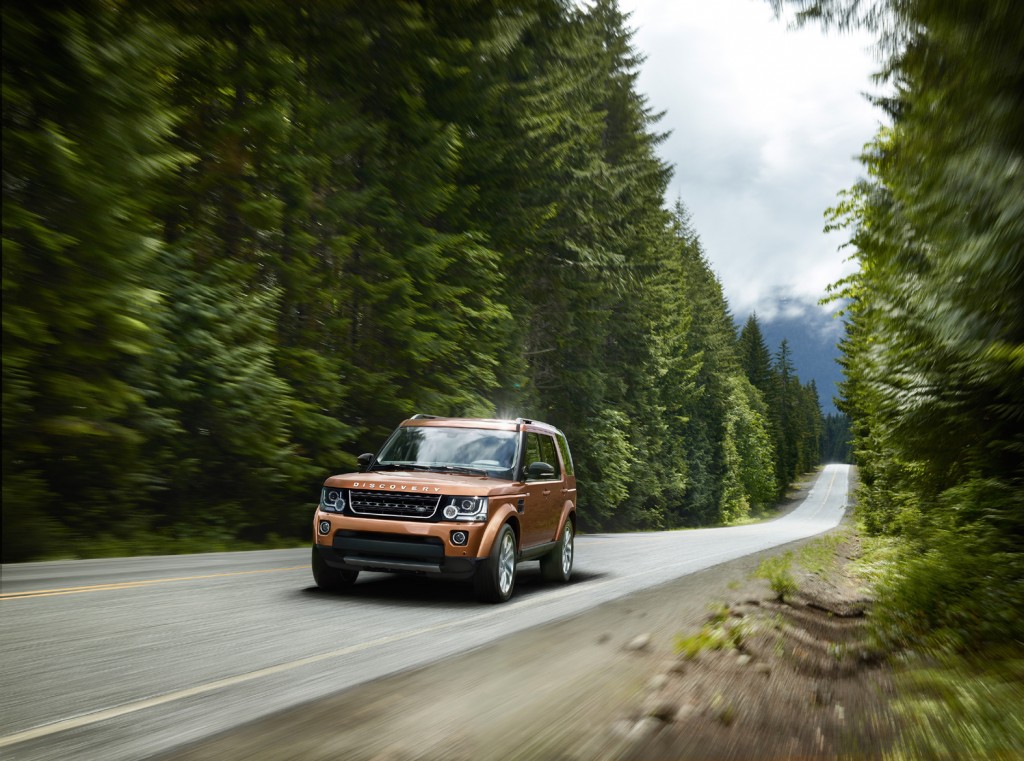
point(243, 239)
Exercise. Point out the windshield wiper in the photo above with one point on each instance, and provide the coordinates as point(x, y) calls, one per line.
point(461, 469)
point(400, 466)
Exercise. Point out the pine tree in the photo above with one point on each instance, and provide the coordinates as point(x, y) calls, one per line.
point(754, 356)
point(784, 407)
point(711, 341)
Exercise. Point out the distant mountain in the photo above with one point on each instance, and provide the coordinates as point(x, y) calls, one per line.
point(813, 336)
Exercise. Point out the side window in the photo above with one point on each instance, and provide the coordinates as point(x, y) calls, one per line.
point(563, 447)
point(548, 455)
point(532, 450)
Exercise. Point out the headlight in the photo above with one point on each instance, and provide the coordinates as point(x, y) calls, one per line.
point(466, 509)
point(332, 499)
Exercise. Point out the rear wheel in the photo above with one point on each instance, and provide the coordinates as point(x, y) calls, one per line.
point(496, 576)
point(557, 565)
point(331, 579)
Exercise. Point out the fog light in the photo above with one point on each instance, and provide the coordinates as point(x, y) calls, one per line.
point(325, 527)
point(459, 538)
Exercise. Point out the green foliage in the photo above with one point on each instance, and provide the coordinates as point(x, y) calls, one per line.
point(708, 638)
point(776, 570)
point(955, 691)
point(953, 589)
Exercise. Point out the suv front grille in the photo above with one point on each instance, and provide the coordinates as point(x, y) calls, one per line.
point(385, 504)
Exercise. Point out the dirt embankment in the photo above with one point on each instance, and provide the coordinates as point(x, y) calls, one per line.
point(755, 679)
point(767, 679)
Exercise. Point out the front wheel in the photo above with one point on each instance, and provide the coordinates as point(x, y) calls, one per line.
point(496, 575)
point(331, 579)
point(557, 565)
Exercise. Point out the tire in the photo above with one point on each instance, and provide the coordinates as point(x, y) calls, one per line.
point(557, 565)
point(496, 576)
point(331, 579)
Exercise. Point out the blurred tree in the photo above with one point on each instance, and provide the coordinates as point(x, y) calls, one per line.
point(934, 349)
point(85, 147)
point(229, 462)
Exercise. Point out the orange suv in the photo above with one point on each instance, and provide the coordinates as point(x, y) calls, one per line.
point(459, 498)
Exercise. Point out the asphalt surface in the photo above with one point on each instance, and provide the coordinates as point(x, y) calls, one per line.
point(126, 658)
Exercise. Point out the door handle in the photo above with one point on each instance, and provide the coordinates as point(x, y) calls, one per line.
point(546, 492)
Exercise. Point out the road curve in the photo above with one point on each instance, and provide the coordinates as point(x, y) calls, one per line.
point(125, 658)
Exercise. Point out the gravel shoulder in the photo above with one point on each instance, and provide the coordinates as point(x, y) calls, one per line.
point(793, 682)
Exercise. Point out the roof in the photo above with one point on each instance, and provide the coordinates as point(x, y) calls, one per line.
point(470, 422)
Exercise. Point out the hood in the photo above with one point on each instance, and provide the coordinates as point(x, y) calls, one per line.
point(420, 482)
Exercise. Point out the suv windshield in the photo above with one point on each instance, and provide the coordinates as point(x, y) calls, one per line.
point(480, 450)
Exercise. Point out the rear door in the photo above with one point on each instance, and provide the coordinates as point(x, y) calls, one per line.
point(544, 495)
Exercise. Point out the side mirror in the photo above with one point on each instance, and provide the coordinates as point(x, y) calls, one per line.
point(366, 459)
point(539, 471)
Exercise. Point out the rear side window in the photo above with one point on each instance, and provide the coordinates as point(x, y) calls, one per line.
point(563, 447)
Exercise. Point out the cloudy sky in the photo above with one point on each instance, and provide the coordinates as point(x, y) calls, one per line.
point(766, 125)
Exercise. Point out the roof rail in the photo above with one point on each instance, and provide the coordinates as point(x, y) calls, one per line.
point(521, 420)
point(421, 416)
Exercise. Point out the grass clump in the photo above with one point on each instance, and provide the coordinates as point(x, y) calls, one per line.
point(777, 571)
point(819, 556)
point(721, 632)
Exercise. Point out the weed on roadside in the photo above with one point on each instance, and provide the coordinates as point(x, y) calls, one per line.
point(720, 632)
point(819, 557)
point(777, 571)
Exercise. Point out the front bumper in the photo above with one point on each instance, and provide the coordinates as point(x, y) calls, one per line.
point(448, 568)
point(359, 544)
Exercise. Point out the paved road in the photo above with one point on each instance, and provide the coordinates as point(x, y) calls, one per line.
point(121, 659)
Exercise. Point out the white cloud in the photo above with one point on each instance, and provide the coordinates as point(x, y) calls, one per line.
point(766, 126)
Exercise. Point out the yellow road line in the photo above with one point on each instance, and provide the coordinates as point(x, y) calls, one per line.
point(134, 584)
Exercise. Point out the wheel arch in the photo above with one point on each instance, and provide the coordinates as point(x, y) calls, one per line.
point(505, 515)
